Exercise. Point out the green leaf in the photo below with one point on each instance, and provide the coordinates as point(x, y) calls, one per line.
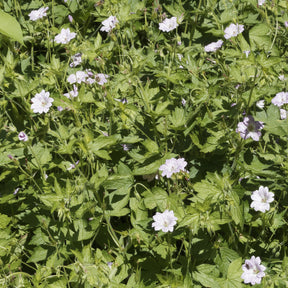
point(39, 254)
point(42, 155)
point(101, 142)
point(83, 229)
point(10, 27)
point(178, 118)
point(235, 210)
point(206, 280)
point(158, 196)
point(4, 221)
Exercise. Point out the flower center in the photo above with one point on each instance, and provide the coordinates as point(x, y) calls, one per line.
point(251, 127)
point(264, 200)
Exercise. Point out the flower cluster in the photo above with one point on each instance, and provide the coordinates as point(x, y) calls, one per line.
point(233, 30)
point(168, 24)
point(250, 128)
point(172, 166)
point(78, 77)
point(253, 272)
point(41, 102)
point(87, 77)
point(38, 14)
point(164, 221)
point(262, 199)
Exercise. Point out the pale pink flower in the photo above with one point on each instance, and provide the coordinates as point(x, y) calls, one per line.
point(250, 128)
point(246, 52)
point(262, 199)
point(22, 136)
point(78, 77)
point(214, 46)
point(172, 166)
point(283, 114)
point(73, 93)
point(164, 221)
point(65, 36)
point(38, 14)
point(233, 30)
point(101, 79)
point(76, 60)
point(260, 104)
point(280, 99)
point(168, 24)
point(253, 272)
point(41, 102)
point(109, 24)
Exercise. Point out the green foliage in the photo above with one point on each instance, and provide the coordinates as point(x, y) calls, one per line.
point(10, 27)
point(77, 199)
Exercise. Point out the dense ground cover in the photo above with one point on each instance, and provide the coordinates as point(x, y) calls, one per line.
point(143, 143)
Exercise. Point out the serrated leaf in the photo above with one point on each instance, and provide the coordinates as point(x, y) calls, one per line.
point(206, 280)
point(42, 155)
point(39, 254)
point(178, 118)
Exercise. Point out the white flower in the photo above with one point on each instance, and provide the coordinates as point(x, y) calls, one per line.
point(73, 93)
point(172, 166)
point(73, 166)
point(281, 77)
point(109, 24)
point(65, 36)
point(250, 128)
point(125, 147)
point(180, 56)
point(101, 79)
point(168, 24)
point(214, 46)
point(41, 102)
point(164, 221)
point(253, 271)
point(260, 104)
point(283, 114)
point(280, 99)
point(261, 199)
point(23, 136)
point(79, 77)
point(38, 14)
point(233, 30)
point(261, 2)
point(246, 52)
point(76, 60)
point(16, 190)
point(183, 101)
